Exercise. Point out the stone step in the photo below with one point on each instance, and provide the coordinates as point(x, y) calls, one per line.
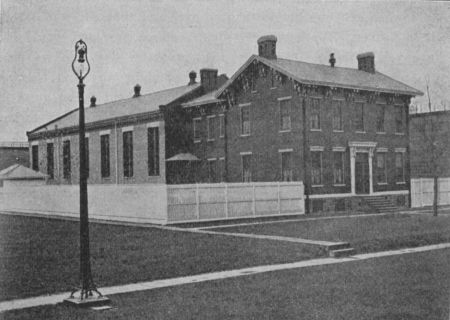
point(342, 253)
point(338, 246)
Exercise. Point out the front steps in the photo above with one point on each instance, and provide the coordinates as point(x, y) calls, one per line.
point(381, 204)
point(340, 250)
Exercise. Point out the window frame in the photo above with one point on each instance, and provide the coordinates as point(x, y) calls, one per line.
point(287, 102)
point(290, 176)
point(381, 152)
point(212, 170)
point(51, 160)
point(399, 115)
point(243, 175)
point(196, 129)
point(153, 167)
point(342, 154)
point(318, 150)
point(211, 128)
point(221, 125)
point(402, 153)
point(35, 157)
point(382, 107)
point(243, 107)
point(359, 117)
point(127, 154)
point(67, 169)
point(315, 111)
point(337, 103)
point(105, 156)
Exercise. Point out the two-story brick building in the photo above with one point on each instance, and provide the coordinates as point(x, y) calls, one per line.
point(342, 131)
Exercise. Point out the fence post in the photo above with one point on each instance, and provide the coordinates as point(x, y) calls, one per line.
point(279, 199)
point(197, 201)
point(254, 201)
point(226, 200)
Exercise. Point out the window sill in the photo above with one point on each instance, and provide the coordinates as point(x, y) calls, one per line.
point(273, 88)
point(222, 137)
point(338, 130)
point(245, 135)
point(382, 132)
point(402, 182)
point(360, 132)
point(382, 183)
point(284, 131)
point(197, 141)
point(211, 140)
point(317, 186)
point(254, 91)
point(339, 185)
point(317, 130)
point(399, 133)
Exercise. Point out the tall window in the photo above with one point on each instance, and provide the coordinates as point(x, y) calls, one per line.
point(399, 119)
point(153, 151)
point(128, 154)
point(221, 125)
point(104, 156)
point(337, 115)
point(35, 158)
point(399, 167)
point(247, 168)
point(338, 167)
point(245, 120)
point(285, 115)
point(86, 144)
point(50, 161)
point(212, 170)
point(287, 172)
point(316, 167)
point(315, 114)
point(381, 168)
point(359, 116)
point(380, 117)
point(221, 169)
point(197, 129)
point(211, 126)
point(66, 160)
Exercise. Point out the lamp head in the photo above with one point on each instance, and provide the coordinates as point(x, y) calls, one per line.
point(80, 63)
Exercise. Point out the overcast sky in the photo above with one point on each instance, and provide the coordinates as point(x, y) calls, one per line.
point(157, 43)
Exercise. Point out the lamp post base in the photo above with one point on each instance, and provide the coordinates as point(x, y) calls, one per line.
point(90, 301)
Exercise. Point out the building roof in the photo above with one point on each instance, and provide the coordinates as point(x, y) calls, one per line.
point(120, 108)
point(13, 144)
point(19, 172)
point(208, 98)
point(325, 75)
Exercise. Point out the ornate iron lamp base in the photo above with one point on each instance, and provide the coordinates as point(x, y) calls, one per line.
point(87, 298)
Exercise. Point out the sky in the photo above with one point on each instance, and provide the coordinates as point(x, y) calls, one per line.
point(156, 44)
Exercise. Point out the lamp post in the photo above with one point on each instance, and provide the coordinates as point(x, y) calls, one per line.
point(88, 293)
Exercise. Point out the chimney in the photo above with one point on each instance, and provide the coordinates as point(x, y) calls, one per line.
point(192, 76)
point(267, 47)
point(137, 91)
point(366, 62)
point(332, 60)
point(208, 79)
point(93, 100)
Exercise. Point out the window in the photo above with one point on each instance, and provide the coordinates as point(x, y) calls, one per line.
point(316, 166)
point(50, 161)
point(338, 167)
point(359, 116)
point(247, 168)
point(221, 169)
point(399, 119)
point(211, 127)
point(337, 115)
point(245, 120)
point(66, 160)
point(104, 156)
point(315, 114)
point(287, 172)
point(35, 157)
point(381, 168)
point(273, 80)
point(153, 151)
point(197, 129)
point(221, 125)
point(399, 167)
point(212, 170)
point(285, 115)
point(128, 154)
point(380, 117)
point(86, 146)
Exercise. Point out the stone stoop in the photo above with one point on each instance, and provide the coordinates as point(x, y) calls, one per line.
point(340, 249)
point(381, 204)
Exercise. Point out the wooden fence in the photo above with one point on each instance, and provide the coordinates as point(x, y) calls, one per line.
point(422, 192)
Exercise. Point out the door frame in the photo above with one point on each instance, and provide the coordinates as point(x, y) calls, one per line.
point(361, 147)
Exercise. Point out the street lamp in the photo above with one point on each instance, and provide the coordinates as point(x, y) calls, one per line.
point(88, 293)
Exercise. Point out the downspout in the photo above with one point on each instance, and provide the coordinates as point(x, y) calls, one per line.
point(305, 158)
point(117, 152)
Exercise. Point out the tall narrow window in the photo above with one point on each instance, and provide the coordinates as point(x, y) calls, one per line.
point(104, 156)
point(359, 116)
point(380, 117)
point(399, 121)
point(400, 167)
point(285, 115)
point(153, 151)
point(221, 170)
point(197, 129)
point(50, 161)
point(381, 168)
point(35, 157)
point(212, 170)
point(316, 168)
point(337, 115)
point(221, 125)
point(86, 145)
point(315, 114)
point(287, 172)
point(66, 160)
point(245, 120)
point(128, 154)
point(247, 168)
point(211, 127)
point(338, 167)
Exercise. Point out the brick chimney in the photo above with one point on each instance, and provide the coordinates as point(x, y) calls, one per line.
point(332, 60)
point(192, 76)
point(137, 91)
point(93, 101)
point(366, 62)
point(267, 47)
point(208, 79)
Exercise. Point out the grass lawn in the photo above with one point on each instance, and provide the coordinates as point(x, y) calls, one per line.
point(412, 286)
point(40, 256)
point(365, 234)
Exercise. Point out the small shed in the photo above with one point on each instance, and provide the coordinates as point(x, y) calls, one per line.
point(18, 174)
point(183, 168)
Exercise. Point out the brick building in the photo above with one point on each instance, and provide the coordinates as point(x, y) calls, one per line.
point(342, 131)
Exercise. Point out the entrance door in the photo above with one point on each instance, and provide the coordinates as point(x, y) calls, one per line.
point(362, 173)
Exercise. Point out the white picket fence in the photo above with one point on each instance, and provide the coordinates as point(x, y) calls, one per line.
point(159, 203)
point(422, 192)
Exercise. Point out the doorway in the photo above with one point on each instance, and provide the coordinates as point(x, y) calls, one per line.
point(362, 173)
